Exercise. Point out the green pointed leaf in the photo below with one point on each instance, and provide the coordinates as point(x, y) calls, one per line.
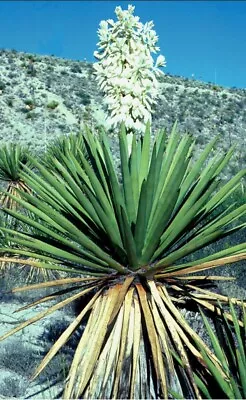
point(115, 189)
point(142, 221)
point(242, 373)
point(129, 242)
point(165, 206)
point(145, 153)
point(134, 172)
point(202, 387)
point(127, 178)
point(215, 343)
point(193, 175)
point(225, 386)
point(241, 345)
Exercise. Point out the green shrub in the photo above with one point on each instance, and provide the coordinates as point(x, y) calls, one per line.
point(31, 115)
point(30, 103)
point(52, 105)
point(76, 69)
point(85, 98)
point(10, 102)
point(2, 85)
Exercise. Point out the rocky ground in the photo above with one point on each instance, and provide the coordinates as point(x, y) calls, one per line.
point(22, 352)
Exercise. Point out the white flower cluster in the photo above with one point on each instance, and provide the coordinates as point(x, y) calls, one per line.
point(126, 71)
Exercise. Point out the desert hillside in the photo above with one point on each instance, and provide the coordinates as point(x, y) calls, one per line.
point(42, 97)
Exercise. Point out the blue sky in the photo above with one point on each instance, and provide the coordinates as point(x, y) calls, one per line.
point(206, 39)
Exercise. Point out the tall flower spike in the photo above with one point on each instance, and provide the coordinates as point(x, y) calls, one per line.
point(125, 69)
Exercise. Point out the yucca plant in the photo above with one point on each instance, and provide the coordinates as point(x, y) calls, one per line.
point(13, 157)
point(4, 243)
point(228, 341)
point(126, 239)
point(26, 271)
point(64, 146)
point(229, 346)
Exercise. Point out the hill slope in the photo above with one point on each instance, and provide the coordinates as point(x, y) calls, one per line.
point(42, 97)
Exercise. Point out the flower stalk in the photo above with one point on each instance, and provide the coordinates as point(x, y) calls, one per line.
point(126, 71)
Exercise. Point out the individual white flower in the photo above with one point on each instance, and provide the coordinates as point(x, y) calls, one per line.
point(110, 22)
point(160, 61)
point(127, 100)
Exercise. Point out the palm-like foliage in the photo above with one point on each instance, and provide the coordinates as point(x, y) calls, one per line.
point(13, 157)
point(62, 147)
point(26, 270)
point(229, 345)
point(4, 243)
point(130, 240)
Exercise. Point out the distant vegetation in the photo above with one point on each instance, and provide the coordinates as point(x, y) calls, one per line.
point(203, 109)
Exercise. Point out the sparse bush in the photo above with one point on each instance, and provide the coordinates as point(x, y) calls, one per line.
point(50, 69)
point(2, 85)
point(52, 105)
point(31, 115)
point(85, 97)
point(68, 104)
point(10, 102)
point(31, 57)
point(228, 118)
point(17, 358)
point(62, 127)
point(31, 70)
point(10, 60)
point(12, 75)
point(75, 68)
point(12, 386)
point(48, 82)
point(30, 104)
